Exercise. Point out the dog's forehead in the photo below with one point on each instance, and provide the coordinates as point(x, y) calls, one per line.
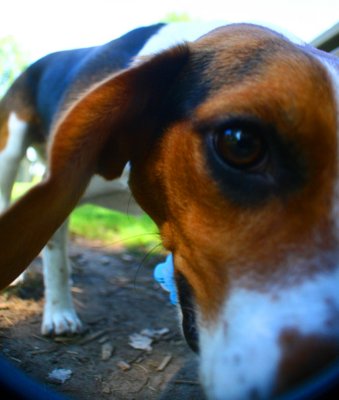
point(234, 55)
point(239, 39)
point(245, 69)
point(240, 34)
point(240, 49)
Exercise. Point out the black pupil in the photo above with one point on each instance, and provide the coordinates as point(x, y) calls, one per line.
point(241, 148)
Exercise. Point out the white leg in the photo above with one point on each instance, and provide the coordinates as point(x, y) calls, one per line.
point(59, 314)
point(10, 157)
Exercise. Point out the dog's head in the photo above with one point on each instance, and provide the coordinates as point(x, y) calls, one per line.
point(234, 153)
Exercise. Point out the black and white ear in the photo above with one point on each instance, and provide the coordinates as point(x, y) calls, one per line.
point(98, 134)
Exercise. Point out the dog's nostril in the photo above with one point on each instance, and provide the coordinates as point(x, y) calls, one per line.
point(303, 358)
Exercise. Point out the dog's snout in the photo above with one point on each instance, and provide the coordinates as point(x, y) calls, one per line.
point(303, 358)
point(274, 342)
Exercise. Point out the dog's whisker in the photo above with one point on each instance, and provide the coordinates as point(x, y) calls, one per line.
point(143, 260)
point(123, 240)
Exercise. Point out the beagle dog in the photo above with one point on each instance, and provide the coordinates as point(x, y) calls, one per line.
point(27, 112)
point(232, 142)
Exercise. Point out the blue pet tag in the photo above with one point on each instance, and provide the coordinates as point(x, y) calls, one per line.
point(164, 275)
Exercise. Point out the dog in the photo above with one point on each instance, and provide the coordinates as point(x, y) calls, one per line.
point(27, 113)
point(232, 142)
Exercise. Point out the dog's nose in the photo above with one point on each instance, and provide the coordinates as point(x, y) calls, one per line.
point(304, 357)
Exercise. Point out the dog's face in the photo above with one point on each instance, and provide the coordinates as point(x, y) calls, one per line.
point(233, 148)
point(243, 188)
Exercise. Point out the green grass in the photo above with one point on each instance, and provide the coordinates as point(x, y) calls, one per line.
point(111, 227)
point(107, 226)
point(20, 188)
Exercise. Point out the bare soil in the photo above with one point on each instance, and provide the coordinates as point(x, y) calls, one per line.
point(115, 296)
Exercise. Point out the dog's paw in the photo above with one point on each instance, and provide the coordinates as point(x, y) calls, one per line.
point(61, 322)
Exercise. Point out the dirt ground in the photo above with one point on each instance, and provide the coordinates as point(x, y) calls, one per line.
point(115, 296)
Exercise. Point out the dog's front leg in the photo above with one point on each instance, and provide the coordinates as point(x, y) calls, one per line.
point(59, 315)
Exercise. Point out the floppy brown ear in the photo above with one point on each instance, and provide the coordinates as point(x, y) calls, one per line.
point(97, 135)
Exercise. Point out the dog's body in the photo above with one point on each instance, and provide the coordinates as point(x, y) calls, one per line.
point(29, 109)
point(237, 133)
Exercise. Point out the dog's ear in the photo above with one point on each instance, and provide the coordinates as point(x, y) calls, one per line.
point(103, 128)
point(98, 134)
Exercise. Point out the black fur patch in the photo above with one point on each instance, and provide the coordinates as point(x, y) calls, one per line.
point(187, 305)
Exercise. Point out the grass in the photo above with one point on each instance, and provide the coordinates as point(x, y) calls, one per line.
point(20, 188)
point(107, 226)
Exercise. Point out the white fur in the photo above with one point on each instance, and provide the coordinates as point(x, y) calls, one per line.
point(177, 33)
point(10, 157)
point(59, 313)
point(115, 194)
point(241, 354)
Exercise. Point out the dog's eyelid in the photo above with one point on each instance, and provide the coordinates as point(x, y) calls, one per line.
point(206, 126)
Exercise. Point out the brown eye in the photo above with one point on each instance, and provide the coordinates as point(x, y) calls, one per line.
point(240, 147)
